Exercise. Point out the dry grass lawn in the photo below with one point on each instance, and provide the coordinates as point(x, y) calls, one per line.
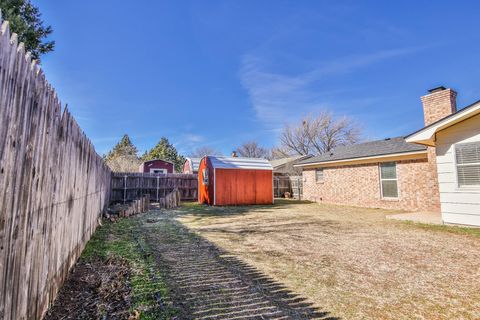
point(351, 261)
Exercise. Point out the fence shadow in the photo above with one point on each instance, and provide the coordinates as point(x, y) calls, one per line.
point(206, 282)
point(203, 210)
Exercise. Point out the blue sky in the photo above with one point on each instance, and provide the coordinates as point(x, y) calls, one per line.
point(219, 73)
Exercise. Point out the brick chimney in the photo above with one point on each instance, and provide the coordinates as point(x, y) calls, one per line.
point(438, 103)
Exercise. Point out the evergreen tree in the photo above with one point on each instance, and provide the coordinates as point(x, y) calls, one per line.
point(166, 151)
point(25, 20)
point(123, 157)
point(124, 147)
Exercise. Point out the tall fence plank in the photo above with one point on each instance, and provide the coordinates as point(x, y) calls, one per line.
point(53, 186)
point(128, 186)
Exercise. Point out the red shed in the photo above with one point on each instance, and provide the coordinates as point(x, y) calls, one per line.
point(235, 181)
point(191, 165)
point(157, 166)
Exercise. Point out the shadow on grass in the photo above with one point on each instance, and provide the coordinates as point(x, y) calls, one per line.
point(206, 282)
point(204, 210)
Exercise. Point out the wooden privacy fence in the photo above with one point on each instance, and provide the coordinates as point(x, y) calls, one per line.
point(53, 186)
point(171, 200)
point(127, 186)
point(291, 184)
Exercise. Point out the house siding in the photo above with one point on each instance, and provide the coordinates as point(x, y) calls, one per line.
point(459, 205)
point(156, 164)
point(359, 185)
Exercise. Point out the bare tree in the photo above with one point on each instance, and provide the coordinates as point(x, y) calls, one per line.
point(319, 134)
point(252, 149)
point(278, 153)
point(124, 163)
point(204, 151)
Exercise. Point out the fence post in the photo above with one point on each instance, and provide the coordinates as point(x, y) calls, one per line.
point(298, 189)
point(158, 185)
point(125, 189)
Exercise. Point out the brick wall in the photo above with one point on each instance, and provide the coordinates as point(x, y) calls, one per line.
point(437, 105)
point(359, 185)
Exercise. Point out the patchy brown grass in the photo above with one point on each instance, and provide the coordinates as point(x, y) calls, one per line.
point(351, 261)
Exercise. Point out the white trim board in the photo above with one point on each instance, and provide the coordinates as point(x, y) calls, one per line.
point(427, 135)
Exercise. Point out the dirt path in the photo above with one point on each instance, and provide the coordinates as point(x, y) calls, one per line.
point(206, 283)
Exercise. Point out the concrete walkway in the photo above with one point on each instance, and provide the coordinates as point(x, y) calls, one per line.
point(421, 217)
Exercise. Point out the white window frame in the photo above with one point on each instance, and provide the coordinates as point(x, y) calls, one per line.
point(161, 170)
point(456, 164)
point(388, 179)
point(322, 180)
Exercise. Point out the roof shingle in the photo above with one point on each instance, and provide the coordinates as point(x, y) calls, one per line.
point(366, 149)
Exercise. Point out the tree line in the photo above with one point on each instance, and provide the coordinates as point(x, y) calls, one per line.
point(312, 135)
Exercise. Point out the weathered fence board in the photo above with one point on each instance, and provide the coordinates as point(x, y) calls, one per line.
point(128, 209)
point(127, 186)
point(53, 186)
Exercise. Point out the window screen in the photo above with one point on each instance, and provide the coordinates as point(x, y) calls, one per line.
point(468, 164)
point(388, 180)
point(319, 175)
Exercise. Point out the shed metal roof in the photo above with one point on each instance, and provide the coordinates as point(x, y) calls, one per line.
point(154, 160)
point(240, 163)
point(384, 147)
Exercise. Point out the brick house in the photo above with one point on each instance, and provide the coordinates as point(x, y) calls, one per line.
point(389, 174)
point(456, 140)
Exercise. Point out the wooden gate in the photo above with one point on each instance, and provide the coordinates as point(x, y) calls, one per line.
point(291, 184)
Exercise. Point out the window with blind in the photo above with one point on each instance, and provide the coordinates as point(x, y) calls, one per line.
point(388, 180)
point(319, 175)
point(467, 156)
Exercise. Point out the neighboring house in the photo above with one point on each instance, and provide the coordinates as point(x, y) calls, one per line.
point(390, 173)
point(157, 166)
point(285, 166)
point(235, 181)
point(191, 165)
point(456, 142)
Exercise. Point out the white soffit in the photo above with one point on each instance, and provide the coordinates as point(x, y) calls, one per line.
point(426, 136)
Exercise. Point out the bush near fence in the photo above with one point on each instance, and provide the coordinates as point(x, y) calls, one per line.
point(53, 186)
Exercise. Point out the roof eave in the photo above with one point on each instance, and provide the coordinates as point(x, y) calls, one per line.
point(426, 136)
point(359, 159)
